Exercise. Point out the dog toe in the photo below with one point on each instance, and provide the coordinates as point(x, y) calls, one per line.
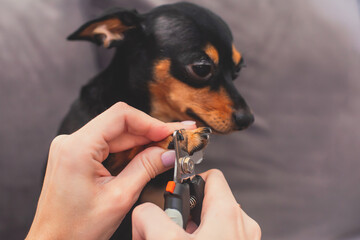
point(195, 140)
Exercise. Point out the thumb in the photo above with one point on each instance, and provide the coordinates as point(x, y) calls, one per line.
point(141, 169)
point(151, 223)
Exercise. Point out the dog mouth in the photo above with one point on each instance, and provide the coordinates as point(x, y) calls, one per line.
point(196, 117)
point(192, 114)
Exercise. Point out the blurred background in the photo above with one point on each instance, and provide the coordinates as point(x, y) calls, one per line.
point(296, 171)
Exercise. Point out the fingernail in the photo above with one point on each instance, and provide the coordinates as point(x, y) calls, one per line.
point(188, 123)
point(168, 158)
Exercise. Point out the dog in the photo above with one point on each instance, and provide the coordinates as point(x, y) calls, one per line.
point(176, 62)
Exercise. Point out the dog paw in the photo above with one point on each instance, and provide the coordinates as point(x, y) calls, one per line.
point(194, 140)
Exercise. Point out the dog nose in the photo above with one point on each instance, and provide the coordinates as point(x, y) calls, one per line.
point(243, 120)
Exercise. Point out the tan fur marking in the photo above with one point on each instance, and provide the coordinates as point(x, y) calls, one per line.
point(163, 144)
point(111, 28)
point(236, 56)
point(211, 51)
point(194, 139)
point(170, 98)
point(118, 161)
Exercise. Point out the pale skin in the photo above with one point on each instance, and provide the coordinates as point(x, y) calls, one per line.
point(81, 200)
point(221, 217)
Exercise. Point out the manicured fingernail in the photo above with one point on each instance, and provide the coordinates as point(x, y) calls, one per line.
point(168, 158)
point(188, 123)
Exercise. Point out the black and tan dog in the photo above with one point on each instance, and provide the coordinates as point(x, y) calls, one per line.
point(177, 62)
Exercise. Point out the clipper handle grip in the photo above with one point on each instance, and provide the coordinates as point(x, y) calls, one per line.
point(177, 206)
point(197, 187)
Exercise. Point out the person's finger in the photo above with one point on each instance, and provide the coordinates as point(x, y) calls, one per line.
point(181, 125)
point(219, 206)
point(252, 228)
point(121, 117)
point(115, 121)
point(191, 227)
point(128, 184)
point(151, 223)
point(128, 140)
point(217, 189)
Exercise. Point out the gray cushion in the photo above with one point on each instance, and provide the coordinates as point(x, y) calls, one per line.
point(41, 74)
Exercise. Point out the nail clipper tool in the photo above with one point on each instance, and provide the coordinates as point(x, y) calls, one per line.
point(184, 195)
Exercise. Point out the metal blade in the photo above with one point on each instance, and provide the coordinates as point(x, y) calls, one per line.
point(198, 157)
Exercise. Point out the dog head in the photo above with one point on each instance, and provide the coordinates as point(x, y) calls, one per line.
point(183, 55)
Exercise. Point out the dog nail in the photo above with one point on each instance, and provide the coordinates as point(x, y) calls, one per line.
point(188, 123)
point(207, 130)
point(168, 158)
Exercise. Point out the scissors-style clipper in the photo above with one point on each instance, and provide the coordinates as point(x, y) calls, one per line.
point(184, 195)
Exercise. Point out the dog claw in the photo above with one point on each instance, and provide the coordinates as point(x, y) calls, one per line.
point(180, 136)
point(207, 130)
point(205, 136)
point(205, 133)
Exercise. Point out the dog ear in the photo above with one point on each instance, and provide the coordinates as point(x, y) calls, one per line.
point(109, 29)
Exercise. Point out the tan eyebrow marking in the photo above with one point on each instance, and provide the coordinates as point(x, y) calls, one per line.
point(236, 56)
point(211, 51)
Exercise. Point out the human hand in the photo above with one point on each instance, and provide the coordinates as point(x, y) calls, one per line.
point(221, 217)
point(80, 199)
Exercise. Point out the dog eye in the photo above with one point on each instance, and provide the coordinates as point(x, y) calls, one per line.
point(202, 71)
